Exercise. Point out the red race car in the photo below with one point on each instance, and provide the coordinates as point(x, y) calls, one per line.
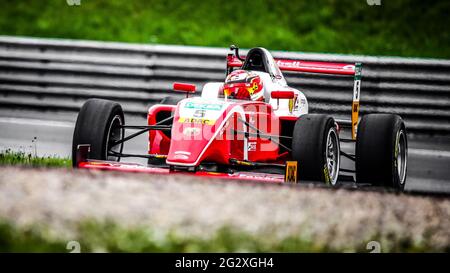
point(252, 126)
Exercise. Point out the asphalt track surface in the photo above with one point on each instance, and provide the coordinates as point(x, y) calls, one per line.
point(428, 162)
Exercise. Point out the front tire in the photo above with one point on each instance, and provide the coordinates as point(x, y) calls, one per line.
point(315, 146)
point(381, 151)
point(99, 125)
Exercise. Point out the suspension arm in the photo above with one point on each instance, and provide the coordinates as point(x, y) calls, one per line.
point(112, 153)
point(144, 128)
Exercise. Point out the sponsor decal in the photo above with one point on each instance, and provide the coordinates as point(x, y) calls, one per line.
point(197, 121)
point(227, 91)
point(356, 97)
point(300, 64)
point(296, 105)
point(253, 88)
point(255, 176)
point(291, 172)
point(293, 104)
point(182, 153)
point(356, 90)
point(355, 112)
point(181, 157)
point(203, 106)
point(289, 63)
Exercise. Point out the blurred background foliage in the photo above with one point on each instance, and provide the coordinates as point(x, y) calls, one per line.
point(415, 28)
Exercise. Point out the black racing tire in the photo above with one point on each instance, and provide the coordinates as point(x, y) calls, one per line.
point(312, 134)
point(382, 151)
point(98, 124)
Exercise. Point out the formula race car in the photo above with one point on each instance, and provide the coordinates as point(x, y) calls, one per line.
point(252, 126)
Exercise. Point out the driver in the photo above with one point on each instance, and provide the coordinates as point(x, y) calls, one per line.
point(243, 85)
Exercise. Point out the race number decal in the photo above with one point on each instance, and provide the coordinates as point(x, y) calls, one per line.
point(355, 103)
point(291, 172)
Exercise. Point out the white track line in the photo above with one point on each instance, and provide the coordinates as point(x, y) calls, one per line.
point(37, 122)
point(426, 152)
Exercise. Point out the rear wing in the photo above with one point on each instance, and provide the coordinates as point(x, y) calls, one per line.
point(236, 61)
point(304, 66)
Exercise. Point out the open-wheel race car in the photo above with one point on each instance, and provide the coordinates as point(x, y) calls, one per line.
point(252, 126)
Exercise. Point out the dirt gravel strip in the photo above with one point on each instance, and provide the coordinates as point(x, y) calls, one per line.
point(342, 218)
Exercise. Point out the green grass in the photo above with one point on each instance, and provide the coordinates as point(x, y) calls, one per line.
point(402, 28)
point(110, 237)
point(10, 158)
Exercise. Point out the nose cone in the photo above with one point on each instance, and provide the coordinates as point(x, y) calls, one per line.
point(189, 143)
point(196, 123)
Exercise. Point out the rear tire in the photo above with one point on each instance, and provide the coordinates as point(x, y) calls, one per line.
point(381, 151)
point(98, 124)
point(315, 146)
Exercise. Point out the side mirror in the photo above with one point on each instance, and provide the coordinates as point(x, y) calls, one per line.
point(184, 87)
point(282, 94)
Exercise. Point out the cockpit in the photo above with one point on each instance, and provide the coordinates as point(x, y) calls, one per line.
point(260, 59)
point(256, 61)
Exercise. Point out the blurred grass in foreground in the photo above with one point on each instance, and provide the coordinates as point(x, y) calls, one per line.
point(110, 237)
point(413, 28)
point(9, 157)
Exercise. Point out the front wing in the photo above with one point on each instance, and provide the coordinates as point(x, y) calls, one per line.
point(134, 167)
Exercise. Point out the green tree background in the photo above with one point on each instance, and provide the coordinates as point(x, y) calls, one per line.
point(415, 28)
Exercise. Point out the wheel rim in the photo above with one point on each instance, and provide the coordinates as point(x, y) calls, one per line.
point(401, 156)
point(332, 154)
point(115, 133)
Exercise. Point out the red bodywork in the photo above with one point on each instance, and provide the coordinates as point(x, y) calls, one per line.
point(216, 142)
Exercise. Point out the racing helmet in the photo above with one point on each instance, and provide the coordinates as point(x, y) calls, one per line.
point(243, 85)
